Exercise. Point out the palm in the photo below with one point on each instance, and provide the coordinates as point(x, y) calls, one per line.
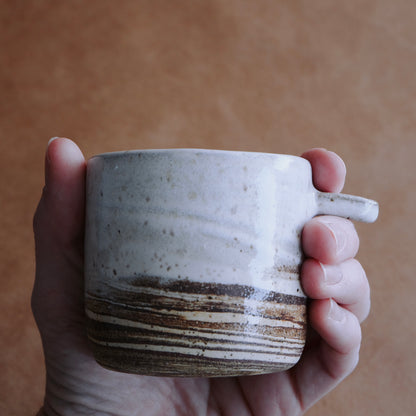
point(75, 379)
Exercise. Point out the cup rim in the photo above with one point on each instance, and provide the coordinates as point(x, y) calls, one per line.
point(196, 151)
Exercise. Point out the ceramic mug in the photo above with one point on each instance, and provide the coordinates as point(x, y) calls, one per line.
point(192, 259)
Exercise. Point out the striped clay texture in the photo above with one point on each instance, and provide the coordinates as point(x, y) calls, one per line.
point(167, 327)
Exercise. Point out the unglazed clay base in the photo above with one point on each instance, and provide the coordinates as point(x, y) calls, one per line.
point(168, 327)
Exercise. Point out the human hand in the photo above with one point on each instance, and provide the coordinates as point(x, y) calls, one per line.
point(77, 385)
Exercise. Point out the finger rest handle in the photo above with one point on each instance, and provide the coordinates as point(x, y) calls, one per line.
point(347, 206)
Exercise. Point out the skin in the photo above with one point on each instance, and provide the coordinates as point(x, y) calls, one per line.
point(76, 385)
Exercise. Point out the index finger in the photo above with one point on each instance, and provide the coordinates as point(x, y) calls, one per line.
point(328, 169)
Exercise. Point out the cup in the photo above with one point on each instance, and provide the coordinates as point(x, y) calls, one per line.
point(192, 259)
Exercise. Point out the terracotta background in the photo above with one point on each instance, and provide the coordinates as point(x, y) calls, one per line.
point(274, 76)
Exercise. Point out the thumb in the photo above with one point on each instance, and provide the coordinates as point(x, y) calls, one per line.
point(59, 229)
point(59, 217)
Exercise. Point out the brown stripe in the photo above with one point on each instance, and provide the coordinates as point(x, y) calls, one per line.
point(139, 307)
point(167, 364)
point(133, 302)
point(115, 332)
point(214, 289)
point(126, 335)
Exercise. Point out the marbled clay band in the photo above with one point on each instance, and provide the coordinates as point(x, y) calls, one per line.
point(168, 327)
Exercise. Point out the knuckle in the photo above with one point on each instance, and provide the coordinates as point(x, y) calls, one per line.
point(355, 357)
point(352, 336)
point(310, 277)
point(360, 272)
point(355, 338)
point(352, 236)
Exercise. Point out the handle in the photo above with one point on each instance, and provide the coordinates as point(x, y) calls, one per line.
point(347, 206)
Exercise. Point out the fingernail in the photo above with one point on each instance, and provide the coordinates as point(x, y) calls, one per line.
point(331, 274)
point(339, 237)
point(52, 139)
point(336, 312)
point(47, 147)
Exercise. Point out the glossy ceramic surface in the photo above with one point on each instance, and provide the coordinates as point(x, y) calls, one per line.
point(192, 259)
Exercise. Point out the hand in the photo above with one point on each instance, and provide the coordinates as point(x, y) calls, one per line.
point(77, 385)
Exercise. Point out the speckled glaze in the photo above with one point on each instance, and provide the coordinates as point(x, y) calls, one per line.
point(192, 259)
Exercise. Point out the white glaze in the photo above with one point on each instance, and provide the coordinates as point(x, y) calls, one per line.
point(203, 215)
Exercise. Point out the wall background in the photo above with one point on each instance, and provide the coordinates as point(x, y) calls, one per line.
point(271, 76)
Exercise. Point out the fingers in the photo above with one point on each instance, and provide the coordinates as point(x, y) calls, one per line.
point(334, 357)
point(341, 332)
point(331, 272)
point(328, 170)
point(330, 239)
point(336, 285)
point(337, 326)
point(346, 283)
